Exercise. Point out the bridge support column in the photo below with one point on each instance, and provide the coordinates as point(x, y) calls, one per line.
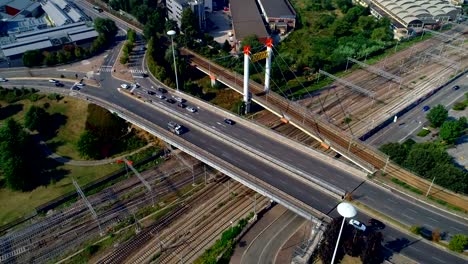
point(269, 44)
point(246, 79)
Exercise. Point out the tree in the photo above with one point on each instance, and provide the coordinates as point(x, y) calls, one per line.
point(330, 235)
point(36, 118)
point(189, 22)
point(449, 176)
point(451, 130)
point(78, 52)
point(226, 46)
point(106, 27)
point(458, 243)
point(420, 161)
point(88, 145)
point(131, 35)
point(373, 252)
point(61, 58)
point(437, 115)
point(396, 151)
point(49, 58)
point(16, 156)
point(32, 58)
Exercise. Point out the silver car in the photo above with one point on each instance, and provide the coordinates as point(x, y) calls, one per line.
point(191, 109)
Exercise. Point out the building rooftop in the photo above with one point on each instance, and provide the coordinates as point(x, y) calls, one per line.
point(19, 4)
point(277, 8)
point(22, 47)
point(246, 19)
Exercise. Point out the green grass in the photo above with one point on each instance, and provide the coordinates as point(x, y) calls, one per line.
point(444, 203)
point(423, 133)
point(18, 204)
point(406, 186)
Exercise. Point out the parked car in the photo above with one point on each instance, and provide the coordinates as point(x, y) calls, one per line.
point(162, 90)
point(53, 81)
point(456, 87)
point(3, 80)
point(59, 84)
point(376, 224)
point(124, 86)
point(229, 121)
point(358, 225)
point(170, 100)
point(150, 92)
point(181, 105)
point(160, 96)
point(426, 108)
point(191, 109)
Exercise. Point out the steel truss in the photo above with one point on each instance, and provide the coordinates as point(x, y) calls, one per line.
point(349, 84)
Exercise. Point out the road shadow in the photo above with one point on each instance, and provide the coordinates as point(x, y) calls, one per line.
point(10, 110)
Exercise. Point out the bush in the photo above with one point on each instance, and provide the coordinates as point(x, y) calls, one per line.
point(459, 106)
point(416, 230)
point(423, 133)
point(55, 96)
point(34, 97)
point(458, 243)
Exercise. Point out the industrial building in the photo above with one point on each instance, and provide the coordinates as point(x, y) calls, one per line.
point(279, 14)
point(49, 24)
point(247, 20)
point(407, 15)
point(199, 8)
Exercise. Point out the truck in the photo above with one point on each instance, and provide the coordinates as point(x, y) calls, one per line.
point(175, 128)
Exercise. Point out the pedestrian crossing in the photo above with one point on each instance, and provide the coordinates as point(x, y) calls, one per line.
point(105, 69)
point(137, 71)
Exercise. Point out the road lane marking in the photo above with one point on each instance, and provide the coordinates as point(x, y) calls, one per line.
point(438, 259)
point(408, 216)
point(433, 219)
point(409, 134)
point(412, 210)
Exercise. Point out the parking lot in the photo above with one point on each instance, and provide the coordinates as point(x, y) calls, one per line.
point(220, 26)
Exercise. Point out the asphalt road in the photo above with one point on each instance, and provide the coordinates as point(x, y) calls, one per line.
point(267, 244)
point(408, 125)
point(376, 198)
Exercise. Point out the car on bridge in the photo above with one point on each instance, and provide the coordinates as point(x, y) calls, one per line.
point(162, 90)
point(53, 81)
point(3, 80)
point(160, 96)
point(170, 100)
point(150, 92)
point(175, 128)
point(191, 109)
point(229, 121)
point(180, 100)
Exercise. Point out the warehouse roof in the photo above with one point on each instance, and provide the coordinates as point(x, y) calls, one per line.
point(409, 12)
point(52, 31)
point(83, 34)
point(277, 8)
point(19, 4)
point(246, 19)
point(58, 16)
point(22, 47)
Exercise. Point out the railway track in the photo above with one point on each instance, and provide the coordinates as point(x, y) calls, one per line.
point(361, 152)
point(125, 251)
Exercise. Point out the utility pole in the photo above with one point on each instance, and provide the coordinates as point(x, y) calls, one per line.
point(90, 207)
point(430, 186)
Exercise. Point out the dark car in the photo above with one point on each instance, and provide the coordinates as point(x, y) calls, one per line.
point(181, 105)
point(426, 108)
point(59, 84)
point(229, 121)
point(170, 100)
point(376, 224)
point(456, 87)
point(151, 92)
point(162, 90)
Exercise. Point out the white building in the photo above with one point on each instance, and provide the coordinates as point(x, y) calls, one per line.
point(199, 8)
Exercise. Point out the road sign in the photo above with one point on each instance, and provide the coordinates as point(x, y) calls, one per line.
point(259, 56)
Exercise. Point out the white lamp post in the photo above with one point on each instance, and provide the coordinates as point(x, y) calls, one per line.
point(171, 33)
point(346, 210)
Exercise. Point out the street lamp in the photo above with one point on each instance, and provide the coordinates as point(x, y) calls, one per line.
point(346, 210)
point(171, 33)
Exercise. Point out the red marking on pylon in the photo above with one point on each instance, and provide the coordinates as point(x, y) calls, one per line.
point(119, 161)
point(212, 77)
point(246, 50)
point(269, 42)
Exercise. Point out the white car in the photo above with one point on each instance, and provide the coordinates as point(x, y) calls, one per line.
point(3, 80)
point(124, 86)
point(191, 109)
point(79, 84)
point(180, 100)
point(53, 81)
point(358, 225)
point(160, 96)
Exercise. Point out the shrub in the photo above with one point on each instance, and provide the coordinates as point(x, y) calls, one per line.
point(34, 97)
point(423, 133)
point(458, 243)
point(459, 106)
point(416, 230)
